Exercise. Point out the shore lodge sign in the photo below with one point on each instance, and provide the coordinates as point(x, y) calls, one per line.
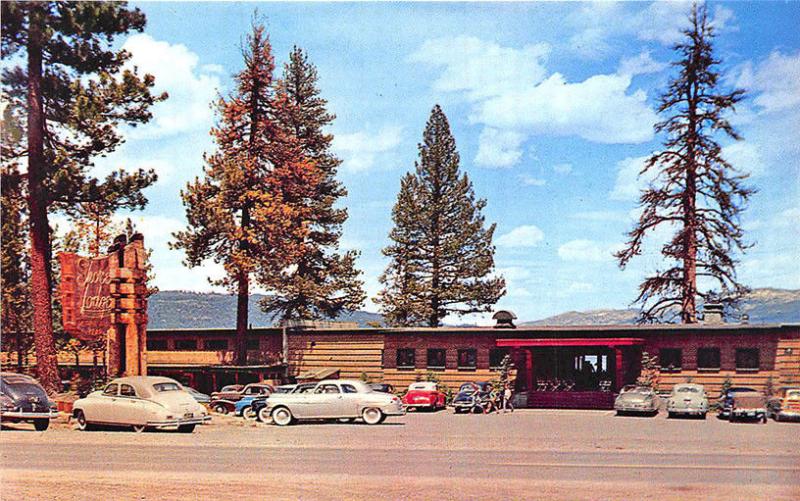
point(104, 299)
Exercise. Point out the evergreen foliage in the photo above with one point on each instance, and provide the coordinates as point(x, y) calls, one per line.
point(75, 91)
point(248, 213)
point(323, 283)
point(695, 189)
point(442, 257)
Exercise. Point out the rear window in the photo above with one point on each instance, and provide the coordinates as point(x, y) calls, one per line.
point(349, 388)
point(161, 387)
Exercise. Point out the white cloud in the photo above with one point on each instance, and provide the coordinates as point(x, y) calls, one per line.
point(629, 184)
point(601, 215)
point(521, 236)
point(562, 168)
point(498, 148)
point(776, 80)
point(482, 68)
point(585, 251)
point(745, 157)
point(640, 65)
point(529, 180)
point(591, 109)
point(575, 288)
point(191, 87)
point(359, 150)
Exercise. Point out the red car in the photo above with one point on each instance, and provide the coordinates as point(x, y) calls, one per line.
point(424, 395)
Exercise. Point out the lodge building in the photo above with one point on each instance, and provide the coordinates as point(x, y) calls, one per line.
point(563, 367)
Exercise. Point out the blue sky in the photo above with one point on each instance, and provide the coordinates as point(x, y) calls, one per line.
point(551, 104)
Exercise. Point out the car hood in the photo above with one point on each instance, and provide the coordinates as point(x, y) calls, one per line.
point(24, 391)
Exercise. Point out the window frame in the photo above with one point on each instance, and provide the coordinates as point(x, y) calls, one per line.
point(123, 385)
point(190, 340)
point(162, 345)
point(431, 351)
point(740, 351)
point(413, 358)
point(208, 342)
point(666, 368)
point(709, 368)
point(467, 351)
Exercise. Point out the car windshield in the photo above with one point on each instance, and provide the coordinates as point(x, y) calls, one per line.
point(160, 387)
point(687, 389)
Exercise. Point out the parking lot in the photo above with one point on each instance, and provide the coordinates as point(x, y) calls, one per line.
point(529, 454)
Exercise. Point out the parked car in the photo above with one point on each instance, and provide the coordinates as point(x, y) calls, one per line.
point(687, 399)
point(22, 399)
point(224, 401)
point(749, 405)
point(785, 405)
point(259, 406)
point(200, 397)
point(141, 402)
point(472, 397)
point(244, 407)
point(382, 387)
point(726, 400)
point(424, 395)
point(340, 399)
point(637, 399)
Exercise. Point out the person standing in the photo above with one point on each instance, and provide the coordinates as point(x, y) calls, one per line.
point(508, 406)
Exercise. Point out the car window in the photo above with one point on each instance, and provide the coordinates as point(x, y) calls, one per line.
point(349, 388)
point(793, 394)
point(159, 387)
point(327, 388)
point(127, 390)
point(111, 389)
point(687, 389)
point(304, 389)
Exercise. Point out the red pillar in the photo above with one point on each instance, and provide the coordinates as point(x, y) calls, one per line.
point(618, 374)
point(529, 369)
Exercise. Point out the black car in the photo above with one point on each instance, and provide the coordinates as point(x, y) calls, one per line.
point(473, 397)
point(23, 399)
point(260, 404)
point(726, 400)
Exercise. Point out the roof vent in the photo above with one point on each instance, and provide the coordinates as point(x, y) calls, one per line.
point(745, 318)
point(505, 320)
point(713, 313)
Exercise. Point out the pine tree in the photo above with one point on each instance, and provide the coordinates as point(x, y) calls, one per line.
point(323, 283)
point(442, 257)
point(248, 212)
point(75, 92)
point(695, 188)
point(92, 230)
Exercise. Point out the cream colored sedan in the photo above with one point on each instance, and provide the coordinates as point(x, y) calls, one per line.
point(141, 402)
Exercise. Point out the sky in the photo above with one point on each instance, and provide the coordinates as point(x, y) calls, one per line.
point(552, 106)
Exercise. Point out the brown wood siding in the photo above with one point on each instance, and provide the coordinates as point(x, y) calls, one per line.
point(353, 354)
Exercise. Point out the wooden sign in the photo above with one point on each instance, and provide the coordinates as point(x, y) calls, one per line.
point(86, 301)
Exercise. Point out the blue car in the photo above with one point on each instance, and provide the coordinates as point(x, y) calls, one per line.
point(244, 407)
point(473, 397)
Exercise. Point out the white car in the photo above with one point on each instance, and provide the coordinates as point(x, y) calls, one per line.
point(687, 399)
point(342, 399)
point(141, 402)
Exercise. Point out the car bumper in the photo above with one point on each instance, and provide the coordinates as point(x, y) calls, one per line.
point(634, 408)
point(174, 423)
point(394, 410)
point(21, 415)
point(789, 414)
point(419, 404)
point(691, 412)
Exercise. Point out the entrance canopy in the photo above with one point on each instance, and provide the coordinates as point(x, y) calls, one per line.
point(571, 341)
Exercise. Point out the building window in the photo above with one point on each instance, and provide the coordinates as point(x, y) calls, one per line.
point(406, 358)
point(670, 359)
point(436, 358)
point(186, 344)
point(496, 356)
point(216, 344)
point(468, 359)
point(252, 344)
point(708, 359)
point(747, 359)
point(157, 344)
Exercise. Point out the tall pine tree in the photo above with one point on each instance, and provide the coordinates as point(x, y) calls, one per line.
point(442, 257)
point(695, 189)
point(71, 83)
point(323, 283)
point(248, 213)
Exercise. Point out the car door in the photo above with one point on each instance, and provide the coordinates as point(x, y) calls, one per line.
point(325, 402)
point(102, 408)
point(130, 409)
point(351, 401)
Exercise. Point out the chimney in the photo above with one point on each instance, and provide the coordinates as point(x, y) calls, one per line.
point(713, 314)
point(745, 319)
point(505, 320)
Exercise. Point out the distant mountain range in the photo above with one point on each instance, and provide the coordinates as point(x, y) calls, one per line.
point(180, 309)
point(198, 310)
point(764, 306)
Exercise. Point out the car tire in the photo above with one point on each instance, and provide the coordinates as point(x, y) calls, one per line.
point(670, 415)
point(41, 424)
point(220, 409)
point(703, 416)
point(186, 428)
point(139, 428)
point(80, 418)
point(372, 415)
point(282, 416)
point(249, 414)
point(457, 410)
point(264, 415)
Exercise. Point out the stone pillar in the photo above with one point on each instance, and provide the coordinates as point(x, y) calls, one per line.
point(529, 368)
point(619, 373)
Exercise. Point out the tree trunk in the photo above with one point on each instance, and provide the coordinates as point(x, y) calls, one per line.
point(242, 301)
point(689, 285)
point(46, 362)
